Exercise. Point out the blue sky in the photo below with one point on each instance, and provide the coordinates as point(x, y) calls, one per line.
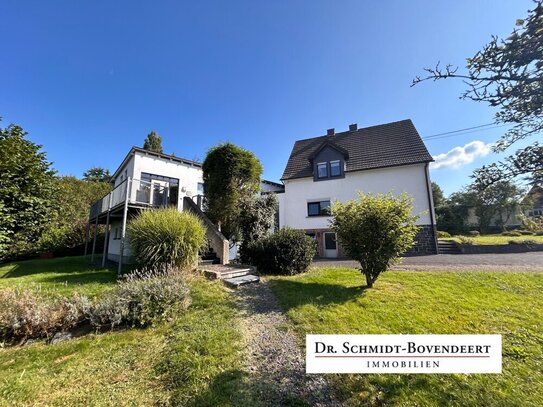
point(88, 80)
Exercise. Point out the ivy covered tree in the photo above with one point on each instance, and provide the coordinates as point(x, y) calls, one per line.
point(97, 174)
point(27, 185)
point(231, 176)
point(153, 142)
point(375, 230)
point(508, 74)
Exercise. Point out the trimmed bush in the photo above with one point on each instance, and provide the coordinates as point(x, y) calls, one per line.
point(474, 233)
point(166, 237)
point(511, 233)
point(523, 242)
point(442, 234)
point(286, 252)
point(539, 233)
point(142, 298)
point(525, 232)
point(27, 313)
point(465, 240)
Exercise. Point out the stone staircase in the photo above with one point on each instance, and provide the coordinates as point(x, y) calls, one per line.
point(209, 257)
point(447, 247)
point(232, 275)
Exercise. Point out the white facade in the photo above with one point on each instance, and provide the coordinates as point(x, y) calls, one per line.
point(411, 179)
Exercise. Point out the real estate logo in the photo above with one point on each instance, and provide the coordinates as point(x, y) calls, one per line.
point(403, 353)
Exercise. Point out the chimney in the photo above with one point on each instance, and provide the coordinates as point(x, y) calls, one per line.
point(330, 132)
point(353, 127)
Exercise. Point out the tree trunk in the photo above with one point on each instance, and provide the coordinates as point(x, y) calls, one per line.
point(369, 281)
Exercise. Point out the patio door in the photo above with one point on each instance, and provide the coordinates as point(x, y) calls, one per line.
point(159, 193)
point(330, 245)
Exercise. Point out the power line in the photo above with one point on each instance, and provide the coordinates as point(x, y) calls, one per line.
point(461, 132)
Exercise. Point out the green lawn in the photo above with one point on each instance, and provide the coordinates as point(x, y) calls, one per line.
point(194, 360)
point(498, 239)
point(327, 301)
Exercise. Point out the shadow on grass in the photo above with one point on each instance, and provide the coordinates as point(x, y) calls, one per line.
point(292, 294)
point(60, 265)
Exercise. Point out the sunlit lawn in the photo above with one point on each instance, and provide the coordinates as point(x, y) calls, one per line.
point(333, 301)
point(499, 239)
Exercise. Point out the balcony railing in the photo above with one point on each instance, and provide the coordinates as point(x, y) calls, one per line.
point(143, 193)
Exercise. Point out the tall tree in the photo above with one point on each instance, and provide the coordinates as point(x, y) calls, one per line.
point(231, 175)
point(97, 174)
point(437, 194)
point(153, 142)
point(508, 74)
point(26, 190)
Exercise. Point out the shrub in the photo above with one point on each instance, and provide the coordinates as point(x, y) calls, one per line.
point(511, 233)
point(441, 234)
point(27, 313)
point(162, 237)
point(539, 233)
point(141, 298)
point(375, 230)
point(524, 242)
point(525, 232)
point(474, 233)
point(286, 252)
point(465, 240)
point(257, 218)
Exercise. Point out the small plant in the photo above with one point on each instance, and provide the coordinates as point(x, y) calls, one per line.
point(474, 233)
point(539, 233)
point(525, 232)
point(442, 234)
point(141, 298)
point(28, 313)
point(286, 252)
point(166, 237)
point(375, 230)
point(465, 240)
point(511, 233)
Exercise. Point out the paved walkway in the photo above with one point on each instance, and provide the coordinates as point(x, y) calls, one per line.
point(530, 261)
point(275, 362)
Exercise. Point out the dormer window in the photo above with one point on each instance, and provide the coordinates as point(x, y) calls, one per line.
point(335, 169)
point(322, 170)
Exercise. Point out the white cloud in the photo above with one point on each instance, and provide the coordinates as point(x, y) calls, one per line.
point(460, 156)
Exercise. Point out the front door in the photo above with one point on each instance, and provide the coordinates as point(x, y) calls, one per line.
point(330, 245)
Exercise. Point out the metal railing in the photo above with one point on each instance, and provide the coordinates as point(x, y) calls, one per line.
point(145, 193)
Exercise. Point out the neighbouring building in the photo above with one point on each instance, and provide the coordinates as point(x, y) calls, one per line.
point(379, 159)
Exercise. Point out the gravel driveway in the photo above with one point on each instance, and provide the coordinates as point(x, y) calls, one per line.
point(276, 363)
point(530, 261)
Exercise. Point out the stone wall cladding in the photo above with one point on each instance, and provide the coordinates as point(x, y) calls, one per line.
point(426, 242)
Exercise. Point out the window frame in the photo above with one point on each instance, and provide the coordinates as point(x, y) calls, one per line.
point(338, 168)
point(325, 165)
point(321, 208)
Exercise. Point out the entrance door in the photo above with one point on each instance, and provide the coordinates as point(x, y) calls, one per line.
point(330, 245)
point(159, 193)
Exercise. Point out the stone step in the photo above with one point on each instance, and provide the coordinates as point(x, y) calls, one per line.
point(242, 280)
point(209, 261)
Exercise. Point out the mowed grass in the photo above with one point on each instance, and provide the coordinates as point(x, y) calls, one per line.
point(334, 301)
point(498, 239)
point(61, 275)
point(194, 360)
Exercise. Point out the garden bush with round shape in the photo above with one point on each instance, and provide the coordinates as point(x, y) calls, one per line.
point(442, 234)
point(286, 252)
point(166, 237)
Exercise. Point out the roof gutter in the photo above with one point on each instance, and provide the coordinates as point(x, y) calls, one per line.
point(431, 203)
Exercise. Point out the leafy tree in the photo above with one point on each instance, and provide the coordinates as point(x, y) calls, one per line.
point(375, 230)
point(257, 219)
point(508, 74)
point(26, 191)
point(97, 174)
point(231, 176)
point(153, 142)
point(437, 194)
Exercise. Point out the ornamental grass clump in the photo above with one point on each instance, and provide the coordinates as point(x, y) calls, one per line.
point(166, 237)
point(375, 230)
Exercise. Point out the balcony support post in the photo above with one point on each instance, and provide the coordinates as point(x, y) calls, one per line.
point(106, 237)
point(94, 240)
point(123, 233)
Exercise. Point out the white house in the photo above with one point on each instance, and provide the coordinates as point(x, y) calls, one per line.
point(379, 159)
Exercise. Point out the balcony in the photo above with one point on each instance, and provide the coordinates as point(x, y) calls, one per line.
point(153, 194)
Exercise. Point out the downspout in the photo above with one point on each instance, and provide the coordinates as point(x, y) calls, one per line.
point(431, 205)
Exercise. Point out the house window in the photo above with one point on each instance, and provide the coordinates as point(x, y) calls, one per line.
point(322, 170)
point(321, 208)
point(200, 188)
point(335, 170)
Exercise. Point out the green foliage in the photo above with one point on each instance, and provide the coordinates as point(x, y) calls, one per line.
point(166, 237)
point(375, 230)
point(97, 174)
point(451, 216)
point(474, 233)
point(142, 298)
point(27, 313)
point(287, 252)
point(153, 142)
point(468, 241)
point(26, 191)
point(231, 176)
point(257, 219)
point(511, 233)
point(532, 224)
point(526, 242)
point(441, 234)
point(437, 195)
